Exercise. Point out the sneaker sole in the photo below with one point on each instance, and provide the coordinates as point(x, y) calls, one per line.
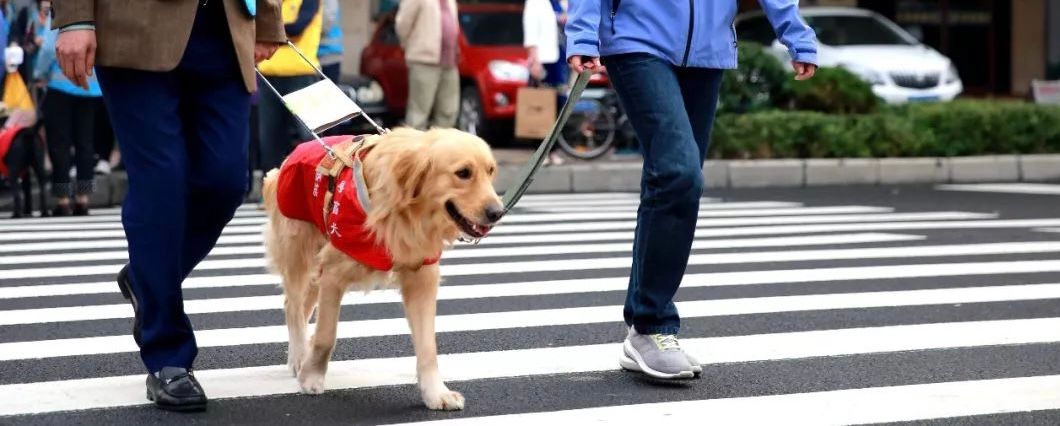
point(631, 360)
point(629, 364)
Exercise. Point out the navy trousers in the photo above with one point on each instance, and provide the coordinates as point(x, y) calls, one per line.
point(184, 136)
point(672, 111)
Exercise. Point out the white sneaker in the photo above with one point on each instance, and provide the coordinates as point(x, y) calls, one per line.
point(102, 167)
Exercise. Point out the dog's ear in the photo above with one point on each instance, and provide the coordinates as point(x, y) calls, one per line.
point(410, 172)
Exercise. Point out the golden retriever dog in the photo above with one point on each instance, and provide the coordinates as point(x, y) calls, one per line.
point(426, 190)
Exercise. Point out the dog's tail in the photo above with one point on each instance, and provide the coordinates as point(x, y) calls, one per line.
point(268, 189)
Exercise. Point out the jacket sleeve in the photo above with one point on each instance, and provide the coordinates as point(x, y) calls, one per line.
point(269, 22)
point(583, 24)
point(406, 19)
point(531, 26)
point(791, 30)
point(69, 12)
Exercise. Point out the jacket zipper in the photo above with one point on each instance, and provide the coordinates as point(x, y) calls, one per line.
point(614, 10)
point(691, 26)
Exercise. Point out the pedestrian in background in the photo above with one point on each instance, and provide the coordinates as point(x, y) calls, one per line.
point(541, 35)
point(107, 156)
point(176, 77)
point(71, 114)
point(27, 29)
point(288, 72)
point(428, 30)
point(665, 60)
point(330, 51)
point(541, 38)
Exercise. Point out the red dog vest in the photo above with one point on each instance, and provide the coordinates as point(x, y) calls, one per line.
point(301, 194)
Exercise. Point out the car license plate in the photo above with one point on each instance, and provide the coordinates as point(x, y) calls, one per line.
point(923, 98)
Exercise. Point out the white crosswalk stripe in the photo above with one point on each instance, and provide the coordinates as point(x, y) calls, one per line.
point(770, 284)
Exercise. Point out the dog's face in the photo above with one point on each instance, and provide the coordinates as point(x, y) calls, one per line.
point(456, 184)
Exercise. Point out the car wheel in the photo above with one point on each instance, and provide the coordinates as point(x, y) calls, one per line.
point(472, 118)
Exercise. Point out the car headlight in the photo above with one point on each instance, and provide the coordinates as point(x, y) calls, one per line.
point(370, 94)
point(509, 71)
point(951, 75)
point(870, 76)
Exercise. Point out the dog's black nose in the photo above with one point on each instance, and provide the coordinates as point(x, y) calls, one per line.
point(494, 212)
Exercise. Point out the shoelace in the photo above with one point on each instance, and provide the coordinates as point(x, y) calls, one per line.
point(666, 341)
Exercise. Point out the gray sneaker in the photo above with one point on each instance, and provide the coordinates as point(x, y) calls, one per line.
point(657, 355)
point(697, 369)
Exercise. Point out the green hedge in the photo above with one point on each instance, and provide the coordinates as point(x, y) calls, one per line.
point(758, 83)
point(937, 129)
point(761, 83)
point(833, 90)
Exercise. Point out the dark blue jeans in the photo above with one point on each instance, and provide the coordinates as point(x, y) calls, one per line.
point(183, 140)
point(672, 111)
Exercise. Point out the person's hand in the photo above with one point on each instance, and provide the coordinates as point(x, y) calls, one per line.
point(76, 53)
point(537, 71)
point(803, 70)
point(264, 50)
point(579, 64)
point(562, 18)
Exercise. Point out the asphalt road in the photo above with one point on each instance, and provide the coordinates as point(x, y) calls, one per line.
point(819, 306)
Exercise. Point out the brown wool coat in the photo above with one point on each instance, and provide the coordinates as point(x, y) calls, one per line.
point(151, 35)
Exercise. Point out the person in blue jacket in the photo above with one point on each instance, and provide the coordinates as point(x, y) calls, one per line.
point(665, 60)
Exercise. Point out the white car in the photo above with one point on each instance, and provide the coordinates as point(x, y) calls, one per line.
point(899, 67)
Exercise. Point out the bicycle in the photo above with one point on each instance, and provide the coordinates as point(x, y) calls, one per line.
point(595, 125)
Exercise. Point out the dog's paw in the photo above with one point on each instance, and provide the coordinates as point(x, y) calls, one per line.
point(294, 362)
point(446, 400)
point(311, 383)
point(293, 365)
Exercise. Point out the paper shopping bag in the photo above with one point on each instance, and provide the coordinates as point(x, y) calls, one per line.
point(535, 110)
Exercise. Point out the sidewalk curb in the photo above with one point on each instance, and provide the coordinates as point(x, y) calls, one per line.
point(790, 173)
point(805, 172)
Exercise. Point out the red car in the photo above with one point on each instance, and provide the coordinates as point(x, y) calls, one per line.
point(492, 65)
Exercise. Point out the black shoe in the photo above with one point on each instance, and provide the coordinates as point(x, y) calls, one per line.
point(61, 211)
point(80, 209)
point(176, 389)
point(126, 291)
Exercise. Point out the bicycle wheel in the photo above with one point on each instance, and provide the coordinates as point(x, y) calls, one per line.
point(589, 132)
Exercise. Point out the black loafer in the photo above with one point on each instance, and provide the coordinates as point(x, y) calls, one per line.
point(176, 389)
point(126, 291)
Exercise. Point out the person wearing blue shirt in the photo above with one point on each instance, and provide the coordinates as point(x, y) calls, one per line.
point(330, 50)
point(665, 60)
point(556, 72)
point(70, 117)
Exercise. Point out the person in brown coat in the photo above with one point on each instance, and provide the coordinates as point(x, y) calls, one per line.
point(429, 31)
point(176, 77)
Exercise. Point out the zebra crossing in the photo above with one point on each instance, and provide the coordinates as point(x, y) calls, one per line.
point(802, 313)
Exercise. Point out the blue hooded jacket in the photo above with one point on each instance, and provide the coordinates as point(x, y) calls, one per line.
point(690, 33)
